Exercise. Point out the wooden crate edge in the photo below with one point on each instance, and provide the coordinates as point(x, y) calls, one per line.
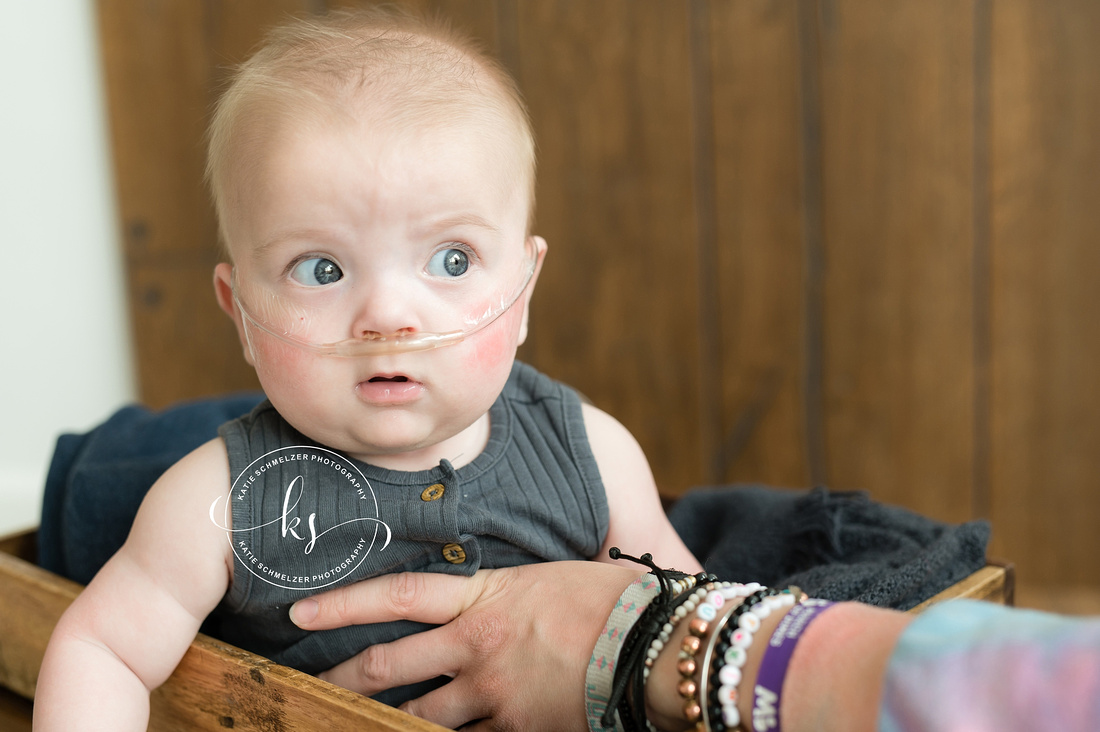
point(993, 583)
point(215, 685)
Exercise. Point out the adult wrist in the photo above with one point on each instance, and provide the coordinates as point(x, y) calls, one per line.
point(835, 678)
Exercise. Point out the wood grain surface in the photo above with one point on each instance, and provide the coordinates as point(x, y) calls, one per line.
point(1045, 466)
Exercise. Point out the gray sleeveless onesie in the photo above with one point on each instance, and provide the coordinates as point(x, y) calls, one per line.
point(307, 519)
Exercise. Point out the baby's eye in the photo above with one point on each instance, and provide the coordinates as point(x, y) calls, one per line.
point(449, 263)
point(316, 271)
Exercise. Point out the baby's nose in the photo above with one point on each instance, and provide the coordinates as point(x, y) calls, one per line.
point(386, 309)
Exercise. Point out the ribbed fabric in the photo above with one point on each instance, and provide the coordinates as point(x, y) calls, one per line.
point(534, 494)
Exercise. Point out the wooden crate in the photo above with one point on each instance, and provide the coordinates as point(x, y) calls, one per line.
point(218, 686)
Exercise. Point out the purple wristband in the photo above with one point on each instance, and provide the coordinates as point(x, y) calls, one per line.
point(777, 656)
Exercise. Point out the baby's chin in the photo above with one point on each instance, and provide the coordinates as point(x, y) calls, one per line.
point(459, 449)
point(401, 458)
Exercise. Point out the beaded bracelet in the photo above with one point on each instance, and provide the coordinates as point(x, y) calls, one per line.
point(705, 676)
point(688, 603)
point(695, 705)
point(686, 665)
point(730, 646)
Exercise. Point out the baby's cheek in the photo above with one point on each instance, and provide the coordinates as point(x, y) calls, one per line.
point(496, 345)
point(278, 363)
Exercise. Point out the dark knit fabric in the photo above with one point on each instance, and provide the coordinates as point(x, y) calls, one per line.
point(837, 546)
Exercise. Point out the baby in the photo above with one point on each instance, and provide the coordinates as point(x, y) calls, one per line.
point(373, 176)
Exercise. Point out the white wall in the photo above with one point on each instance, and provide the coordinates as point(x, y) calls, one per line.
point(64, 337)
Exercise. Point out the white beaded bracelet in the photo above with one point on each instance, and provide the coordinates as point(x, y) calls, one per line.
point(728, 652)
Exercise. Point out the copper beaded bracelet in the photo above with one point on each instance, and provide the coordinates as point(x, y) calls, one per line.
point(695, 693)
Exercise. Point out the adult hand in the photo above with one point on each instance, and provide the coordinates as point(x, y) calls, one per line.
point(515, 641)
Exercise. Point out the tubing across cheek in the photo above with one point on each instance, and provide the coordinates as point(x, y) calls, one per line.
point(266, 307)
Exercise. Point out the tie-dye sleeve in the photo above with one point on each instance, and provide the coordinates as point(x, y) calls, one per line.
point(976, 666)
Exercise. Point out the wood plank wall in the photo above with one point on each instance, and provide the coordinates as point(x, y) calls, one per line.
point(791, 241)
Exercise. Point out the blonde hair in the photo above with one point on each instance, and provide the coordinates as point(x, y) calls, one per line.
point(395, 67)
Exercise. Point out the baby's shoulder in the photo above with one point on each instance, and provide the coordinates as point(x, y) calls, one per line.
point(187, 489)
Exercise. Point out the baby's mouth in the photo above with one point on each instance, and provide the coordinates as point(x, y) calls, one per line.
point(390, 389)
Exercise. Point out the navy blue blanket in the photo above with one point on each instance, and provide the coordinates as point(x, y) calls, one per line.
point(97, 480)
point(839, 546)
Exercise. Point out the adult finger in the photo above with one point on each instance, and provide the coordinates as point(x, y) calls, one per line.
point(462, 644)
point(424, 597)
point(414, 658)
point(454, 705)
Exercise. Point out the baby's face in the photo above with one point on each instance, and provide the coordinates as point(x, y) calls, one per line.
point(339, 232)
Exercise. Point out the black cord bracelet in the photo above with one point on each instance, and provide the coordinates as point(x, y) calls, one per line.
point(630, 666)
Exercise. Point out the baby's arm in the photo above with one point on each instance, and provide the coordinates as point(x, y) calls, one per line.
point(127, 631)
point(638, 521)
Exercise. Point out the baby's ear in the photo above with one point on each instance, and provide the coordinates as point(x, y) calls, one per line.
point(223, 290)
point(540, 254)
